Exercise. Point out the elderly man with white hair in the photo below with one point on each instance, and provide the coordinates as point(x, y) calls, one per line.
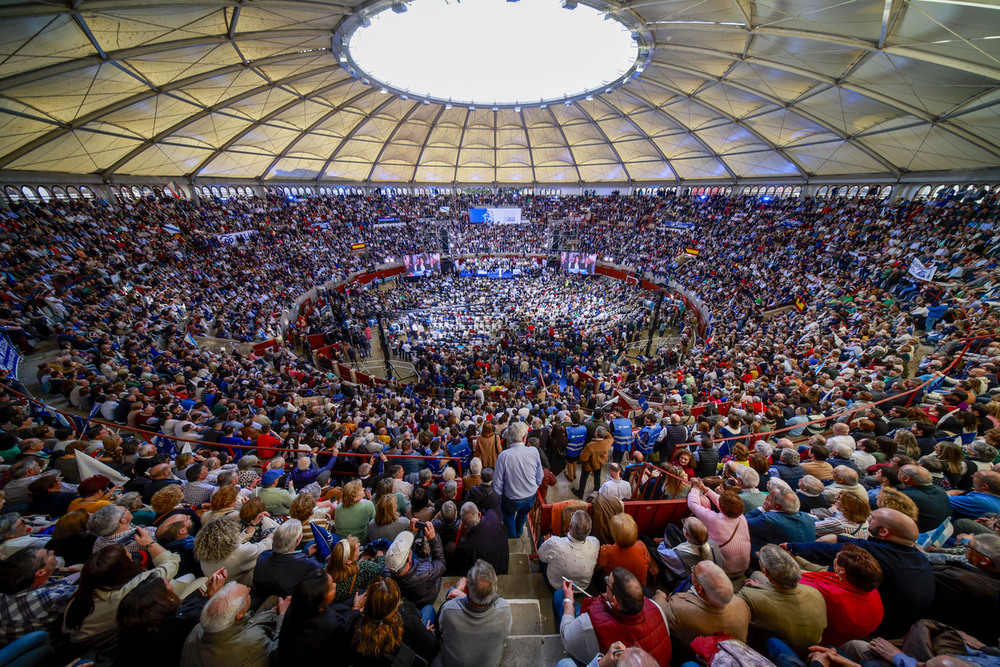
point(779, 520)
point(747, 479)
point(227, 636)
point(279, 570)
point(516, 478)
point(844, 479)
point(779, 606)
point(810, 493)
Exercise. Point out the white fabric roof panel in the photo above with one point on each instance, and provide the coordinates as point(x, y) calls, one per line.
point(734, 89)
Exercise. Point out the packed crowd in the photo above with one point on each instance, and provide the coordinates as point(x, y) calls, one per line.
point(256, 510)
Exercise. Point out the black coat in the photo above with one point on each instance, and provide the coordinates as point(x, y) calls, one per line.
point(484, 497)
point(161, 648)
point(488, 541)
point(312, 641)
point(416, 637)
point(279, 574)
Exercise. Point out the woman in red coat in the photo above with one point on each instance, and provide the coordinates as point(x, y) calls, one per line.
point(853, 605)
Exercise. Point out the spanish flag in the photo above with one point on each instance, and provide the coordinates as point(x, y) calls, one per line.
point(800, 304)
point(358, 246)
point(692, 251)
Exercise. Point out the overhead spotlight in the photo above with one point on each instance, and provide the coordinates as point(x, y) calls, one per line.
point(517, 109)
point(447, 106)
point(383, 90)
point(590, 98)
point(399, 7)
point(426, 102)
point(568, 4)
point(568, 102)
point(496, 108)
point(607, 90)
point(608, 16)
point(365, 21)
point(404, 97)
point(635, 36)
point(544, 106)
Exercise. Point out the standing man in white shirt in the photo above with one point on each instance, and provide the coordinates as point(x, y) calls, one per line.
point(516, 478)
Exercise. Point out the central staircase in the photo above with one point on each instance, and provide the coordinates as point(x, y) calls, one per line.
point(534, 635)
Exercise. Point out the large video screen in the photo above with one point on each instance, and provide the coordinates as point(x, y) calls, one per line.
point(422, 263)
point(502, 216)
point(579, 262)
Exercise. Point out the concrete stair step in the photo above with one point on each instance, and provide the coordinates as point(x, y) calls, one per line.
point(520, 545)
point(532, 651)
point(526, 617)
point(518, 564)
point(529, 587)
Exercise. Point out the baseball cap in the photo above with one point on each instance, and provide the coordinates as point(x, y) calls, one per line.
point(270, 476)
point(399, 551)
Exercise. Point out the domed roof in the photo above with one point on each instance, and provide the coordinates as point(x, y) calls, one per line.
point(729, 89)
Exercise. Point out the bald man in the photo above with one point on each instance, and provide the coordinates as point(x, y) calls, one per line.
point(907, 588)
point(709, 607)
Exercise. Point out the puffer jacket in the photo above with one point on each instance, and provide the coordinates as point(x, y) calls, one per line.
point(422, 581)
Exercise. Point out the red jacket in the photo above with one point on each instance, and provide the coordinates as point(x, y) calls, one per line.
point(851, 613)
point(646, 629)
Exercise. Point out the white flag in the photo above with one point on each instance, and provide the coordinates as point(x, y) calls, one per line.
point(90, 466)
point(921, 272)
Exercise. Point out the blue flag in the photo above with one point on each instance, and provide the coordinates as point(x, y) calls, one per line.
point(643, 403)
point(165, 445)
point(93, 411)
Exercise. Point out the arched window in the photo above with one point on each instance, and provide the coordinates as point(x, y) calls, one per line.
point(86, 192)
point(215, 191)
point(30, 194)
point(823, 192)
point(73, 192)
point(60, 194)
point(886, 191)
point(924, 191)
point(863, 191)
point(44, 193)
point(13, 194)
point(797, 191)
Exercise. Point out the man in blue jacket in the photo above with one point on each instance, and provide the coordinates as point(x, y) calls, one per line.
point(778, 521)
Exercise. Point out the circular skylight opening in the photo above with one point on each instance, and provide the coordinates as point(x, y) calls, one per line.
point(492, 52)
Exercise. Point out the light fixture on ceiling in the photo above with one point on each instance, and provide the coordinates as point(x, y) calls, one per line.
point(383, 90)
point(590, 98)
point(399, 7)
point(568, 4)
point(365, 21)
point(447, 106)
point(517, 109)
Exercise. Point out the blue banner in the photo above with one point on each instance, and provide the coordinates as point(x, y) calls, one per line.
point(9, 358)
